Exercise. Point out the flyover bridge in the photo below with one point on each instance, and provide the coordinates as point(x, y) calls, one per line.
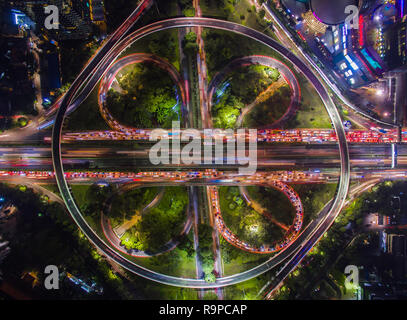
point(265, 135)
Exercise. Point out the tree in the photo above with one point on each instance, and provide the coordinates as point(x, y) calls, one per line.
point(187, 245)
point(190, 45)
point(147, 99)
point(210, 277)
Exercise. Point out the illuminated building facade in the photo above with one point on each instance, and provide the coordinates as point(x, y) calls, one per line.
point(74, 17)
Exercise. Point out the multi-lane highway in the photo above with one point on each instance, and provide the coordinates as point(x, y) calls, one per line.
point(311, 136)
point(269, 156)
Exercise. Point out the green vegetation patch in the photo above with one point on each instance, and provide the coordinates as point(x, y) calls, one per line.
point(87, 116)
point(160, 224)
point(242, 87)
point(163, 44)
point(125, 206)
point(275, 202)
point(206, 251)
point(247, 83)
point(187, 7)
point(240, 11)
point(236, 260)
point(270, 110)
point(314, 197)
point(91, 199)
point(222, 47)
point(248, 225)
point(146, 98)
point(312, 112)
point(226, 112)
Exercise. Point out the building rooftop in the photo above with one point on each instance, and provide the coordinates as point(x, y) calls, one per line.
point(332, 12)
point(296, 7)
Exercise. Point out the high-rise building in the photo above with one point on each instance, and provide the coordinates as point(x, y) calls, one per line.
point(97, 14)
point(395, 45)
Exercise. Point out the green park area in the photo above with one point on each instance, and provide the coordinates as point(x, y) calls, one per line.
point(152, 229)
point(124, 206)
point(253, 87)
point(236, 260)
point(144, 97)
point(312, 112)
point(179, 262)
point(274, 202)
point(87, 116)
point(314, 197)
point(187, 7)
point(239, 11)
point(159, 224)
point(271, 109)
point(205, 251)
point(222, 47)
point(246, 223)
point(163, 44)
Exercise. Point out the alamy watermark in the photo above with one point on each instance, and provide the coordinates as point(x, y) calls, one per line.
point(51, 281)
point(352, 20)
point(52, 20)
point(213, 142)
point(352, 275)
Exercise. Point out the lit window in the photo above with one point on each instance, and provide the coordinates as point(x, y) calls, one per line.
point(348, 73)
